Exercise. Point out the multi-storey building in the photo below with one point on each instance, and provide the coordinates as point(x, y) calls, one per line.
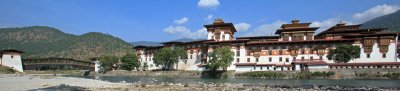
point(295, 47)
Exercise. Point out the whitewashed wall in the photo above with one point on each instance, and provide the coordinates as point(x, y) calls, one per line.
point(14, 62)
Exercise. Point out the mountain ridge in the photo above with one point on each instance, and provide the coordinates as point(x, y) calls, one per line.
point(390, 21)
point(44, 41)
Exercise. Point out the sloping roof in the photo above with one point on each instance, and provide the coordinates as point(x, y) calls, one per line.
point(259, 37)
point(137, 47)
point(311, 62)
point(302, 42)
point(296, 29)
point(221, 25)
point(196, 41)
point(364, 64)
point(227, 41)
point(350, 31)
point(12, 50)
point(245, 64)
point(296, 24)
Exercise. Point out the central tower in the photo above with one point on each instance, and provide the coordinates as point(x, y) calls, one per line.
point(220, 31)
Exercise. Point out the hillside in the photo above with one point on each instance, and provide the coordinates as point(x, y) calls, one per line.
point(146, 43)
point(151, 43)
point(391, 21)
point(42, 41)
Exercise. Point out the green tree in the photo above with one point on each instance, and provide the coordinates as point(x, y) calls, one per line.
point(167, 57)
point(108, 62)
point(130, 62)
point(344, 53)
point(220, 58)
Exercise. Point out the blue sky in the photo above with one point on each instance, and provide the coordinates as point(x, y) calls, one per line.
point(165, 20)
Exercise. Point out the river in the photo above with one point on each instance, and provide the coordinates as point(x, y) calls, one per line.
point(389, 83)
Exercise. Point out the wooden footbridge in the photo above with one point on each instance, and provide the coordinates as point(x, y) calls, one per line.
point(56, 64)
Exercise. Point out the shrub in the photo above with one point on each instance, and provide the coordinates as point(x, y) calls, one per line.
point(361, 74)
point(143, 85)
point(186, 85)
point(322, 74)
point(264, 74)
point(392, 75)
point(6, 70)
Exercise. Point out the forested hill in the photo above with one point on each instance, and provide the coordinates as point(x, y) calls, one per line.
point(391, 21)
point(43, 41)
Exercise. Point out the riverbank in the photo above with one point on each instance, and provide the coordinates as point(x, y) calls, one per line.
point(18, 82)
point(240, 87)
point(355, 73)
point(131, 83)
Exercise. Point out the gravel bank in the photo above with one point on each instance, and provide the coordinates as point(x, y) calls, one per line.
point(13, 82)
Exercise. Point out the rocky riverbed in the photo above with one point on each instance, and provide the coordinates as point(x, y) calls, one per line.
point(234, 87)
point(21, 82)
point(13, 82)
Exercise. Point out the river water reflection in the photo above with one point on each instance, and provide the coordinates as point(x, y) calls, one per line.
point(272, 82)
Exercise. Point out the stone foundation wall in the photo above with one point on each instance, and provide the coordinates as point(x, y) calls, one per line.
point(354, 73)
point(369, 72)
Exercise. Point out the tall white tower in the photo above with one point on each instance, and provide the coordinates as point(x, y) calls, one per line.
point(220, 31)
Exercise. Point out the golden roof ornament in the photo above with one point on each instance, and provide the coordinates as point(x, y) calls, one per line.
point(295, 21)
point(341, 23)
point(219, 21)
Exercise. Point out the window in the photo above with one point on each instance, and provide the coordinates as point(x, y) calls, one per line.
point(301, 51)
point(285, 37)
point(287, 59)
point(320, 57)
point(237, 60)
point(270, 52)
point(384, 41)
point(237, 53)
point(280, 59)
point(270, 59)
point(368, 48)
point(248, 59)
point(254, 67)
point(12, 56)
point(383, 48)
point(369, 41)
point(190, 56)
point(368, 55)
point(256, 59)
point(311, 58)
point(260, 68)
point(302, 58)
point(383, 55)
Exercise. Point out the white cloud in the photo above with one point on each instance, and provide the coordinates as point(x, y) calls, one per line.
point(327, 24)
point(266, 29)
point(208, 3)
point(242, 26)
point(184, 32)
point(175, 29)
point(181, 21)
point(357, 18)
point(209, 17)
point(374, 12)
